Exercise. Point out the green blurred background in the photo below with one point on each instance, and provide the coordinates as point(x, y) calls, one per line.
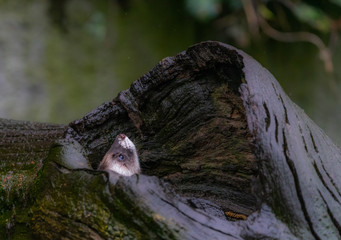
point(59, 59)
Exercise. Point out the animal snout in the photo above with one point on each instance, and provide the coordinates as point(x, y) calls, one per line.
point(122, 136)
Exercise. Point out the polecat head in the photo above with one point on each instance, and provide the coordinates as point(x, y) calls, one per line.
point(122, 157)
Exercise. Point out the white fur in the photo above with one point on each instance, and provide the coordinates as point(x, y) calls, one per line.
point(118, 168)
point(126, 143)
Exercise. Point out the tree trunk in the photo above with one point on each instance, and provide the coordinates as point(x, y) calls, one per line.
point(215, 125)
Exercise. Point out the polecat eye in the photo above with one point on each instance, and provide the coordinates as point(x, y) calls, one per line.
point(121, 157)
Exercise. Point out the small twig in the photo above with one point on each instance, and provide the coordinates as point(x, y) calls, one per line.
point(255, 22)
point(325, 54)
point(251, 17)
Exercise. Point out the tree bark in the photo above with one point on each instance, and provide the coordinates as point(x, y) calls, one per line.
point(218, 127)
point(23, 146)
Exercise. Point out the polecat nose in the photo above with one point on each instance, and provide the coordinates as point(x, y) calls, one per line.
point(122, 136)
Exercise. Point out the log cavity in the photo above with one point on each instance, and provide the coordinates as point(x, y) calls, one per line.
point(200, 140)
point(188, 121)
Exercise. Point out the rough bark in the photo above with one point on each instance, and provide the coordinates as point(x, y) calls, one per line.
point(21, 140)
point(23, 146)
point(217, 126)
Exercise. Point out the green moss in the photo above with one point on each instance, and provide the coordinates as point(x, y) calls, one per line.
point(77, 203)
point(14, 191)
point(5, 219)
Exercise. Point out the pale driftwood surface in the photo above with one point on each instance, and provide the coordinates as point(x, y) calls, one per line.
point(217, 126)
point(300, 166)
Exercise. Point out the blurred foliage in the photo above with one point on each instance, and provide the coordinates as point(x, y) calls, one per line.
point(90, 50)
point(312, 16)
point(223, 19)
point(203, 9)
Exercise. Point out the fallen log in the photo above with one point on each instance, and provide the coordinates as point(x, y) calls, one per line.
point(215, 126)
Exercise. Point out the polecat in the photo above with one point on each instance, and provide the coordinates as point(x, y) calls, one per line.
point(121, 158)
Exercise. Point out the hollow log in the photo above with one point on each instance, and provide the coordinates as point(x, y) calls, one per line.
point(225, 154)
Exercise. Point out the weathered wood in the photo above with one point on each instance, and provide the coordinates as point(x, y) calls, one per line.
point(217, 126)
point(188, 122)
point(21, 140)
point(23, 146)
point(299, 165)
point(85, 204)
